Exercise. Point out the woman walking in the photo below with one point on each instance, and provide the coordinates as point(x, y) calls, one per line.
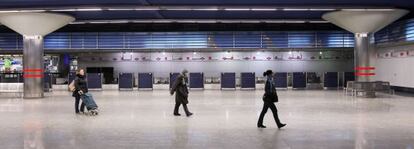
point(81, 87)
point(269, 99)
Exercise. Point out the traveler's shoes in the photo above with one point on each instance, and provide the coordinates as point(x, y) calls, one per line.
point(261, 126)
point(281, 125)
point(189, 114)
point(177, 114)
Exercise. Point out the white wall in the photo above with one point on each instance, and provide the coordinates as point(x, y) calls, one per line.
point(397, 69)
point(214, 68)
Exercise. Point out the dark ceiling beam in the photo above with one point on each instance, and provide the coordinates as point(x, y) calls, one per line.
point(158, 14)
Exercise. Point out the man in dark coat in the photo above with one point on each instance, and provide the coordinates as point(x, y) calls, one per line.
point(181, 93)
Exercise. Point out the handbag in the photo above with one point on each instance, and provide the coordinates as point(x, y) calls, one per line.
point(71, 86)
point(271, 98)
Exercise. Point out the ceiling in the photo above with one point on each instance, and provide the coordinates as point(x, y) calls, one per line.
point(199, 11)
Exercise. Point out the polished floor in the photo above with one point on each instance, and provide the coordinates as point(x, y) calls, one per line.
point(222, 119)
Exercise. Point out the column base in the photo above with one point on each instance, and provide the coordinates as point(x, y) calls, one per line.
point(33, 96)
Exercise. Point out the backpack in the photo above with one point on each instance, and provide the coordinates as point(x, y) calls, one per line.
point(71, 86)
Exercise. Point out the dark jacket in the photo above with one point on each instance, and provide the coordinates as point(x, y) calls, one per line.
point(270, 94)
point(180, 89)
point(81, 84)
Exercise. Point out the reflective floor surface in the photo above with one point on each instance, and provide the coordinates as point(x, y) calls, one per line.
point(222, 119)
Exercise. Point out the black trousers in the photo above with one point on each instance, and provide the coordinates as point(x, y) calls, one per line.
point(177, 107)
point(82, 106)
point(272, 106)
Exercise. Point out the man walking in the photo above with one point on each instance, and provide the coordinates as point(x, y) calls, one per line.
point(181, 93)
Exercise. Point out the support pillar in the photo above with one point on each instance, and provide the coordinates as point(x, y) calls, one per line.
point(33, 27)
point(364, 56)
point(33, 66)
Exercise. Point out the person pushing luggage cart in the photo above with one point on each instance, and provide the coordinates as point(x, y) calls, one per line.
point(79, 87)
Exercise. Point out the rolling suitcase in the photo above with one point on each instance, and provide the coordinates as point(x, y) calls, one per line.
point(90, 104)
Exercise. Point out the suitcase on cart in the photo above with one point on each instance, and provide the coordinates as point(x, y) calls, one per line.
point(90, 104)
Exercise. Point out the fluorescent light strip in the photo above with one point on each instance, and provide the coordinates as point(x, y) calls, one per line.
point(99, 22)
point(199, 21)
point(125, 21)
point(367, 9)
point(32, 10)
point(89, 9)
point(9, 11)
point(178, 9)
point(147, 9)
point(237, 9)
point(264, 9)
point(205, 9)
point(207, 21)
point(275, 21)
point(322, 9)
point(121, 9)
point(318, 21)
point(63, 10)
point(295, 21)
point(77, 23)
point(295, 9)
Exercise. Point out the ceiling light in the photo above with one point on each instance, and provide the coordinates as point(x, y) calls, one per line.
point(89, 9)
point(177, 9)
point(119, 21)
point(60, 10)
point(274, 21)
point(295, 9)
point(228, 21)
point(121, 9)
point(99, 22)
point(32, 10)
point(295, 21)
point(8, 11)
point(322, 9)
point(77, 22)
point(250, 21)
point(205, 9)
point(318, 21)
point(206, 21)
point(147, 8)
point(367, 9)
point(264, 9)
point(237, 9)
